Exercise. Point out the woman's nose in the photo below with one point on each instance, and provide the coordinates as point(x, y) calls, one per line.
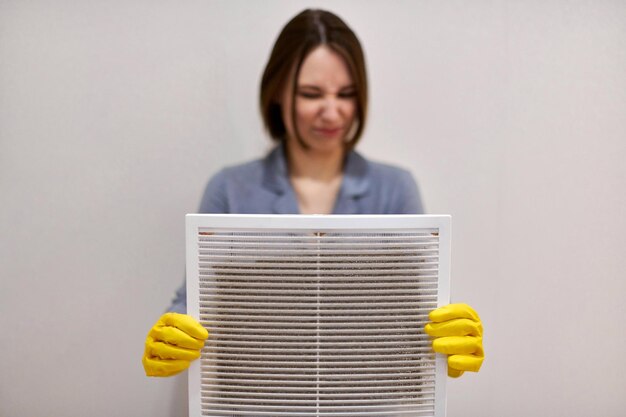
point(331, 109)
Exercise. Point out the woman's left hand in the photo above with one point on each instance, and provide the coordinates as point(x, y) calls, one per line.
point(458, 333)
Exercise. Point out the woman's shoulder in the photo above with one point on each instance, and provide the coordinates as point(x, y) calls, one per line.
point(391, 188)
point(384, 171)
point(224, 187)
point(249, 171)
point(248, 187)
point(387, 169)
point(245, 171)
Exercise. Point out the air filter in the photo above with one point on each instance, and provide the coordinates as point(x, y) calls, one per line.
point(317, 315)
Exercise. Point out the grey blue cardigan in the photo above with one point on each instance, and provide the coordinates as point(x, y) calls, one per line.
point(262, 187)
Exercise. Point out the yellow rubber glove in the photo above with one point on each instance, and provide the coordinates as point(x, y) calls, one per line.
point(172, 343)
point(458, 333)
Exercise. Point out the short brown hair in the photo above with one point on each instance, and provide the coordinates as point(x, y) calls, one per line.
point(306, 31)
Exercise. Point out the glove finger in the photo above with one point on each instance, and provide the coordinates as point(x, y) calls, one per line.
point(166, 351)
point(465, 362)
point(457, 327)
point(453, 311)
point(174, 336)
point(454, 373)
point(186, 323)
point(158, 367)
point(455, 345)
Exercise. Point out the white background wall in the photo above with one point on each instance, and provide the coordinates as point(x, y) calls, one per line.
point(512, 115)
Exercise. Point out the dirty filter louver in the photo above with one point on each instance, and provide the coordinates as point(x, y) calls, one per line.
point(317, 315)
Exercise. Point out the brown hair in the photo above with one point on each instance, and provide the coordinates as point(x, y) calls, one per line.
point(306, 31)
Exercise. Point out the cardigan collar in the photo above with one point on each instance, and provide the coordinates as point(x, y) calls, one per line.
point(356, 181)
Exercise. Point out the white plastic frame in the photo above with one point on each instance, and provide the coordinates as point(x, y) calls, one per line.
point(328, 223)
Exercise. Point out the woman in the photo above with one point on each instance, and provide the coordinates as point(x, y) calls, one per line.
point(314, 105)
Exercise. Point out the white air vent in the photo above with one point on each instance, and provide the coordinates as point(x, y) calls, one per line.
point(317, 315)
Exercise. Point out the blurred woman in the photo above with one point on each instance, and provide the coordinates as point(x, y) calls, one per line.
point(313, 100)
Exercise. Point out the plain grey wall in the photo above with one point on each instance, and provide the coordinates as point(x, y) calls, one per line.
point(512, 116)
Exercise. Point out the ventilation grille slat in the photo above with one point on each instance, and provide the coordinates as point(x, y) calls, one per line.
point(322, 323)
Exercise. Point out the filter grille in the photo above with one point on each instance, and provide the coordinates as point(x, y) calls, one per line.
point(317, 323)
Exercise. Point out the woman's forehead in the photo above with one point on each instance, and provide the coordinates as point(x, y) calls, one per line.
point(324, 67)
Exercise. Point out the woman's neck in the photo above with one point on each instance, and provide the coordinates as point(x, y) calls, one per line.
point(316, 166)
point(315, 177)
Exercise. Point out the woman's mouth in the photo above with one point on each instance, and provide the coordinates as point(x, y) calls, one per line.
point(329, 131)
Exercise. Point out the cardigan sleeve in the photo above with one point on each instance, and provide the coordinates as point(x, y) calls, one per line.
point(215, 197)
point(179, 303)
point(214, 200)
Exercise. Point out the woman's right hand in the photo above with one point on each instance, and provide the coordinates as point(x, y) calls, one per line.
point(173, 342)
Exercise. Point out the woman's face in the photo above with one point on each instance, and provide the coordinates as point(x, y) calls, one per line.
point(325, 102)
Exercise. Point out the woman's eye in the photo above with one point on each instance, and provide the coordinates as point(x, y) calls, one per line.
point(312, 95)
point(309, 95)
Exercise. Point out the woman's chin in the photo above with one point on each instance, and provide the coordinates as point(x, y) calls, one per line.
point(322, 145)
point(327, 146)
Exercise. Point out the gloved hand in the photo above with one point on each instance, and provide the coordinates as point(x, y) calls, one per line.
point(172, 343)
point(458, 333)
